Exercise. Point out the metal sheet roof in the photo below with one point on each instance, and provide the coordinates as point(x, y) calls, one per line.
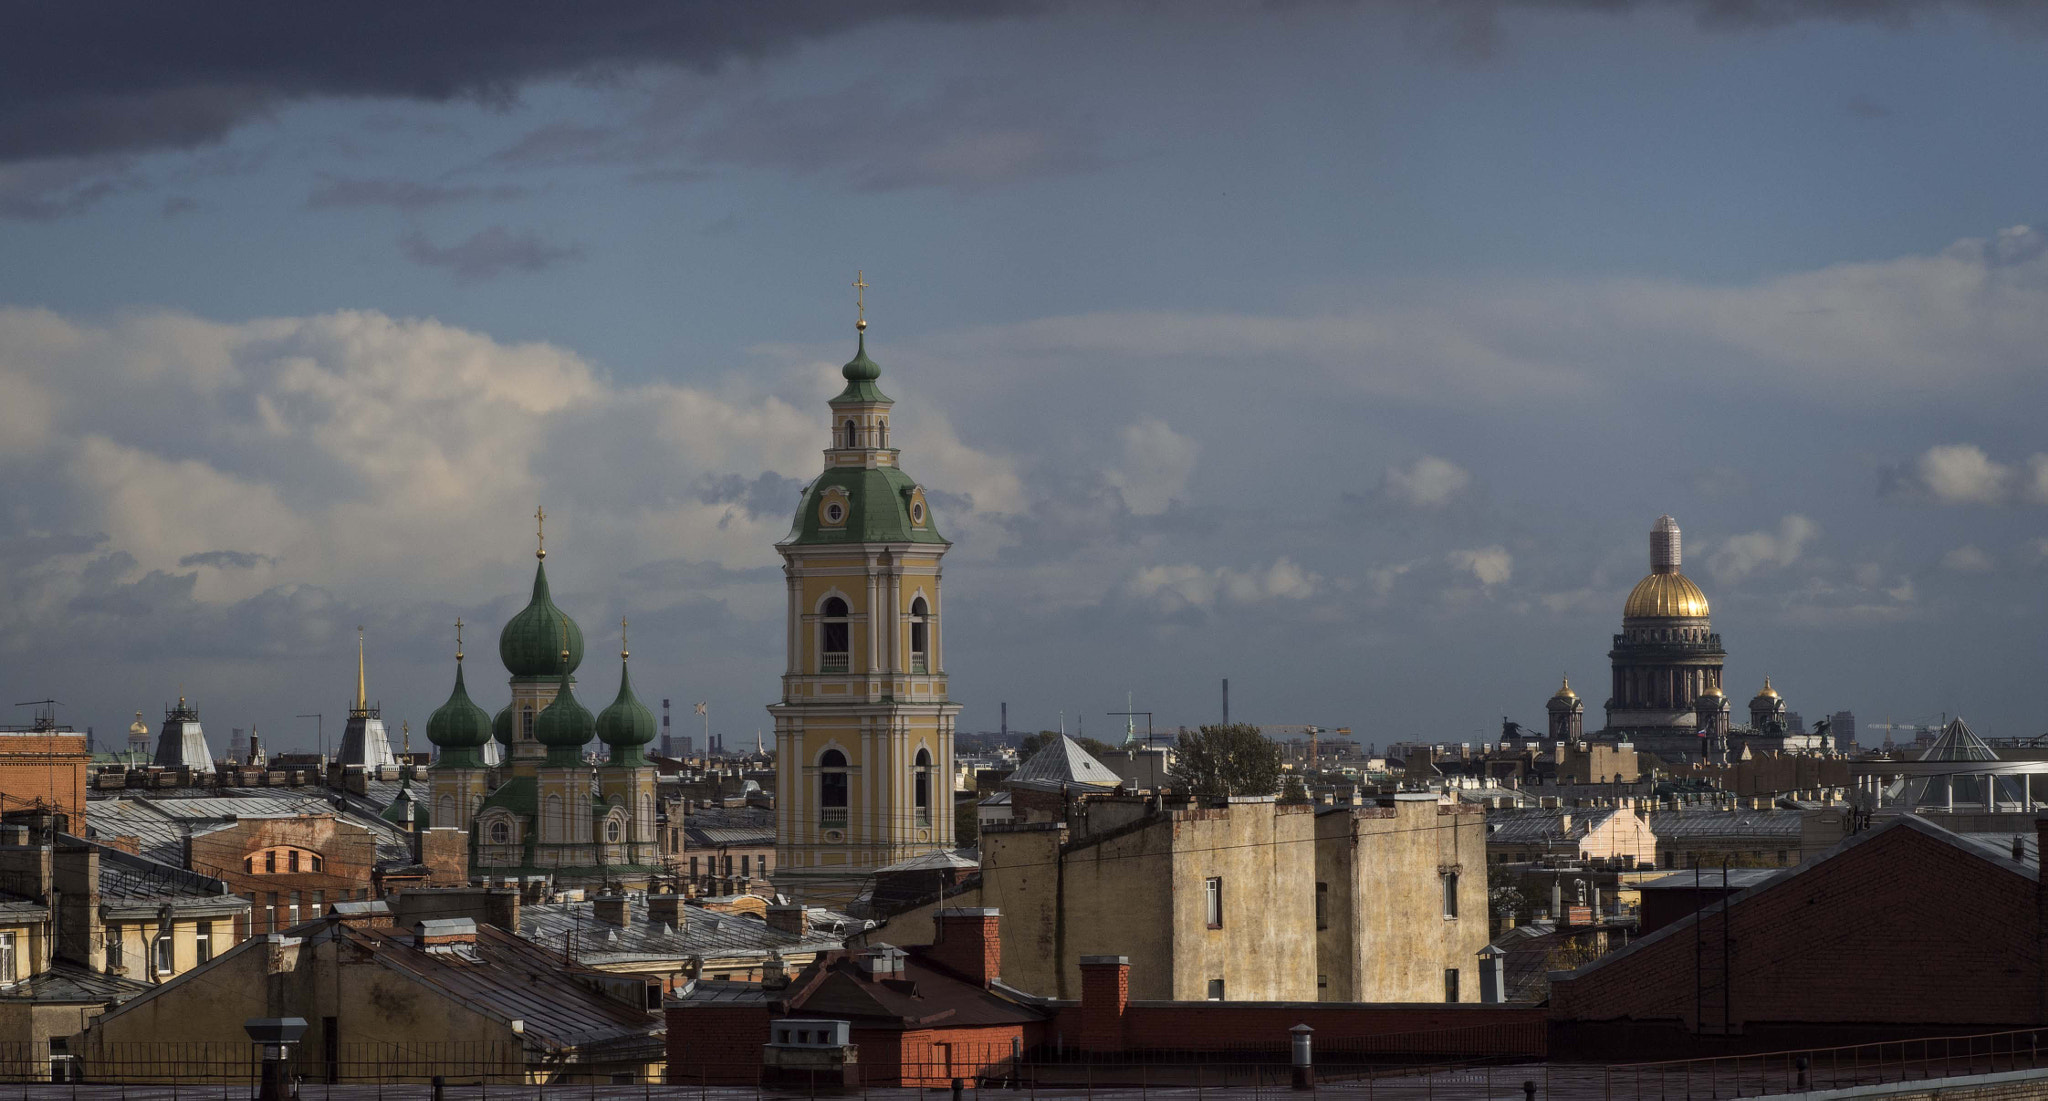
point(555, 925)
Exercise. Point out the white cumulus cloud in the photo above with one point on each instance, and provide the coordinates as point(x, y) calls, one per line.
point(1428, 482)
point(1742, 555)
point(1491, 565)
point(1187, 585)
point(1155, 466)
point(1967, 558)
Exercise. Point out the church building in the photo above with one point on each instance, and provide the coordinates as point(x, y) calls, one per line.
point(1666, 696)
point(546, 813)
point(864, 728)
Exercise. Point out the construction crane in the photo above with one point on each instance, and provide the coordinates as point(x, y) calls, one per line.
point(1313, 733)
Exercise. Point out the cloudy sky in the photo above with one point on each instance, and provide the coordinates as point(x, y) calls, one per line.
point(1347, 350)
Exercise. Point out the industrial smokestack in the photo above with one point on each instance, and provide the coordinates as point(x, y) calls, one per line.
point(1226, 701)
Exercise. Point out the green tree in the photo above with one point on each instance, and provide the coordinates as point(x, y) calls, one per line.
point(967, 822)
point(1221, 760)
point(1293, 792)
point(1034, 742)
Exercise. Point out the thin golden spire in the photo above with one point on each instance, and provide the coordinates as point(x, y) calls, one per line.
point(860, 302)
point(362, 693)
point(540, 532)
point(406, 729)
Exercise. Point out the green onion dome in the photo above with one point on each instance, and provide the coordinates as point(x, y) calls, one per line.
point(531, 643)
point(459, 727)
point(860, 368)
point(564, 726)
point(627, 724)
point(501, 727)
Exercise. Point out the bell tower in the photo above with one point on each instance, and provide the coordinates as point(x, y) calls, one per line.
point(864, 728)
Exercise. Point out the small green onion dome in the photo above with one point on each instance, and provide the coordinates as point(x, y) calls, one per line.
point(564, 726)
point(860, 368)
point(627, 724)
point(459, 727)
point(501, 727)
point(531, 643)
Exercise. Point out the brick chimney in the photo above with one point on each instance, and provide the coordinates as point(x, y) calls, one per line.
point(665, 910)
point(969, 943)
point(1105, 994)
point(612, 909)
point(791, 918)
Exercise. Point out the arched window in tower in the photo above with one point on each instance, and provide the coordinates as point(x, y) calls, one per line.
point(832, 789)
point(920, 636)
point(882, 433)
point(551, 822)
point(921, 783)
point(526, 723)
point(835, 643)
point(852, 434)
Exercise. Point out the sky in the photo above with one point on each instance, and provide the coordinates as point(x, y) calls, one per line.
point(1345, 350)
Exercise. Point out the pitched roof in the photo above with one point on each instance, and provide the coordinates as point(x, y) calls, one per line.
point(1958, 743)
point(1528, 827)
point(1062, 764)
point(551, 925)
point(919, 995)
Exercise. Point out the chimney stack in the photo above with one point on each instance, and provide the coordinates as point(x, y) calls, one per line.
point(613, 909)
point(1105, 994)
point(792, 918)
point(969, 943)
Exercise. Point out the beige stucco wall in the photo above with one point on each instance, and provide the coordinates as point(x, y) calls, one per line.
point(1387, 937)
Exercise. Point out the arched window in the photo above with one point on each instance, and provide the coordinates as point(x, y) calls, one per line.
point(832, 788)
point(501, 833)
point(551, 824)
point(644, 829)
point(836, 644)
point(882, 433)
point(852, 434)
point(526, 723)
point(614, 831)
point(920, 636)
point(446, 813)
point(921, 784)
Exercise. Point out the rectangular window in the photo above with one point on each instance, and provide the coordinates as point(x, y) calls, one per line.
point(6, 957)
point(295, 907)
point(1451, 984)
point(1213, 903)
point(1322, 906)
point(270, 861)
point(292, 860)
point(113, 951)
point(1781, 857)
point(693, 867)
point(203, 943)
point(746, 865)
point(164, 957)
point(1450, 894)
point(270, 912)
point(1215, 990)
point(1322, 982)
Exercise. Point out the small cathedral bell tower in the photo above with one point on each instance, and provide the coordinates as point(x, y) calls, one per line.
point(864, 729)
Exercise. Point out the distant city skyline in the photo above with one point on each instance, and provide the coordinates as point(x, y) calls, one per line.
point(1347, 351)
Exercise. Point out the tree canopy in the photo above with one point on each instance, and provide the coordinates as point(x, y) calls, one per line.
point(1222, 760)
point(1034, 742)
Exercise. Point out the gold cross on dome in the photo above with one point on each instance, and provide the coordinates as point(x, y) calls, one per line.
point(860, 302)
point(540, 532)
point(458, 638)
point(623, 652)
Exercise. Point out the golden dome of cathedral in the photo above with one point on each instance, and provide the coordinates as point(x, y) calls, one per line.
point(1665, 596)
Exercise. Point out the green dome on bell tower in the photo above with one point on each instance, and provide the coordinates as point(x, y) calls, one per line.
point(459, 728)
point(626, 725)
point(531, 645)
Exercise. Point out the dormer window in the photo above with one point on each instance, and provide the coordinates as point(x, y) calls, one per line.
point(920, 636)
point(835, 638)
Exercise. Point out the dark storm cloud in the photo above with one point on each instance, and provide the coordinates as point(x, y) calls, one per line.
point(405, 195)
point(488, 254)
point(227, 559)
point(95, 78)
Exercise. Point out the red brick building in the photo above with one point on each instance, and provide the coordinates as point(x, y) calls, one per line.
point(942, 1011)
point(1904, 930)
point(42, 768)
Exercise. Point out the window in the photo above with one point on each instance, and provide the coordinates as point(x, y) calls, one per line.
point(921, 782)
point(1215, 986)
point(1450, 984)
point(202, 942)
point(882, 433)
point(7, 952)
point(836, 646)
point(270, 912)
point(270, 860)
point(920, 636)
point(164, 957)
point(832, 788)
point(1781, 857)
point(526, 723)
point(852, 434)
point(613, 831)
point(6, 957)
point(249, 865)
point(500, 832)
point(316, 860)
point(1450, 894)
point(292, 860)
point(1322, 905)
point(552, 820)
point(746, 865)
point(693, 867)
point(1212, 906)
point(1322, 982)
